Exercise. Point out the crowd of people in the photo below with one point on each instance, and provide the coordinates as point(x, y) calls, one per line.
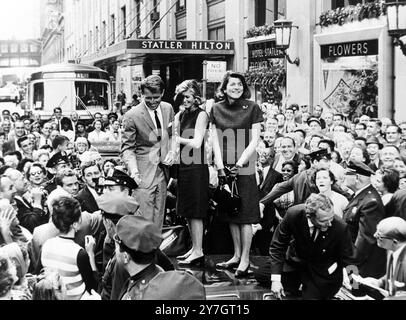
point(317, 193)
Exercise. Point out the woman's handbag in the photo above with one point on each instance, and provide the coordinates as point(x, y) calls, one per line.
point(228, 199)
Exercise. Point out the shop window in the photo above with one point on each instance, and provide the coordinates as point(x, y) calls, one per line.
point(24, 48)
point(14, 48)
point(33, 48)
point(4, 48)
point(344, 3)
point(268, 11)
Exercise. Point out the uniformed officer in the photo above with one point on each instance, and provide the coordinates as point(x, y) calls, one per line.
point(137, 241)
point(57, 163)
point(362, 215)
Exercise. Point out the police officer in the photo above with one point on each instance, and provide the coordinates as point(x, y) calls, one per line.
point(362, 215)
point(137, 241)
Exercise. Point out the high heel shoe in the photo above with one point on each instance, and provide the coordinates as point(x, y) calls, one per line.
point(242, 274)
point(227, 265)
point(194, 262)
point(185, 256)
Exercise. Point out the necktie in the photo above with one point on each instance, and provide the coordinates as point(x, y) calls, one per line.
point(158, 125)
point(391, 275)
point(261, 176)
point(314, 234)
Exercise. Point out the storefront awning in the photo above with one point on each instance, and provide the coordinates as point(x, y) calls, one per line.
point(134, 48)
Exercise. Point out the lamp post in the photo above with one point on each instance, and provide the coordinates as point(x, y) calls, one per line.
point(396, 14)
point(283, 35)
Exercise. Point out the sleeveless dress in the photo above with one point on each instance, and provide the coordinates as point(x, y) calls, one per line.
point(234, 123)
point(193, 173)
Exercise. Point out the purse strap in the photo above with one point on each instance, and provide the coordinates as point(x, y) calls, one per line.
point(234, 188)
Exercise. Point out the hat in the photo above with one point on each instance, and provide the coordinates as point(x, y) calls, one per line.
point(117, 203)
point(57, 159)
point(329, 142)
point(174, 285)
point(139, 234)
point(320, 154)
point(113, 115)
point(120, 178)
point(313, 120)
point(374, 140)
point(360, 168)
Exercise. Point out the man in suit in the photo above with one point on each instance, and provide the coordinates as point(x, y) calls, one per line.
point(391, 236)
point(314, 246)
point(11, 145)
point(362, 215)
point(88, 196)
point(302, 184)
point(267, 178)
point(288, 148)
point(147, 148)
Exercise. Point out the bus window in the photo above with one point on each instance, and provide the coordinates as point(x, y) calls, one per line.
point(38, 96)
point(91, 94)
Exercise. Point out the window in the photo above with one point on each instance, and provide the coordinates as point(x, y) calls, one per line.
point(92, 94)
point(96, 36)
point(24, 48)
point(268, 11)
point(4, 48)
point(14, 48)
point(38, 96)
point(90, 41)
point(180, 5)
point(216, 19)
point(112, 38)
point(103, 34)
point(155, 14)
point(137, 17)
point(124, 22)
point(33, 48)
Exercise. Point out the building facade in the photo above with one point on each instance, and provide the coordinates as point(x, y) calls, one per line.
point(347, 64)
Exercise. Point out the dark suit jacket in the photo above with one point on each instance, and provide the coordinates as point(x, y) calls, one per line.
point(316, 260)
point(362, 215)
point(396, 206)
point(399, 274)
point(9, 146)
point(30, 217)
point(272, 178)
point(87, 201)
point(296, 159)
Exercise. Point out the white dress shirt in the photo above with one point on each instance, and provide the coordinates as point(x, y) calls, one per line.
point(152, 114)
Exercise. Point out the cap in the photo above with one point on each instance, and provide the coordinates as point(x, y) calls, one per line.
point(120, 178)
point(57, 159)
point(139, 234)
point(320, 154)
point(374, 140)
point(329, 142)
point(313, 120)
point(117, 203)
point(356, 167)
point(174, 285)
point(113, 115)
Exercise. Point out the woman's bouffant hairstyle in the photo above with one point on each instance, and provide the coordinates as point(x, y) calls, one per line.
point(331, 175)
point(65, 212)
point(316, 202)
point(246, 94)
point(188, 85)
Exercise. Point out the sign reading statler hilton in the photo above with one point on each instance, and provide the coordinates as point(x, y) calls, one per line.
point(180, 45)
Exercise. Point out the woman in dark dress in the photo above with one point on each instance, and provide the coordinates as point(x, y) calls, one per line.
point(193, 174)
point(236, 123)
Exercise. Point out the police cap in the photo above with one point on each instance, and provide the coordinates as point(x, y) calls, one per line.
point(120, 178)
point(356, 167)
point(320, 154)
point(57, 159)
point(138, 234)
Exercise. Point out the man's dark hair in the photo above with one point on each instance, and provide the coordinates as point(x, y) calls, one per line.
point(57, 109)
point(61, 175)
point(65, 212)
point(58, 141)
point(339, 115)
point(362, 124)
point(21, 140)
point(246, 90)
point(390, 179)
point(15, 153)
point(153, 83)
point(139, 257)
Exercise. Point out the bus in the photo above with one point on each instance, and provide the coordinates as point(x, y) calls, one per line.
point(72, 87)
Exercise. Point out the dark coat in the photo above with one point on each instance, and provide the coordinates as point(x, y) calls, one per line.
point(9, 146)
point(320, 262)
point(362, 215)
point(399, 274)
point(87, 201)
point(272, 178)
point(30, 217)
point(396, 206)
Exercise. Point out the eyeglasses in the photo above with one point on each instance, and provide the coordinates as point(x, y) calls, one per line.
point(36, 173)
point(380, 237)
